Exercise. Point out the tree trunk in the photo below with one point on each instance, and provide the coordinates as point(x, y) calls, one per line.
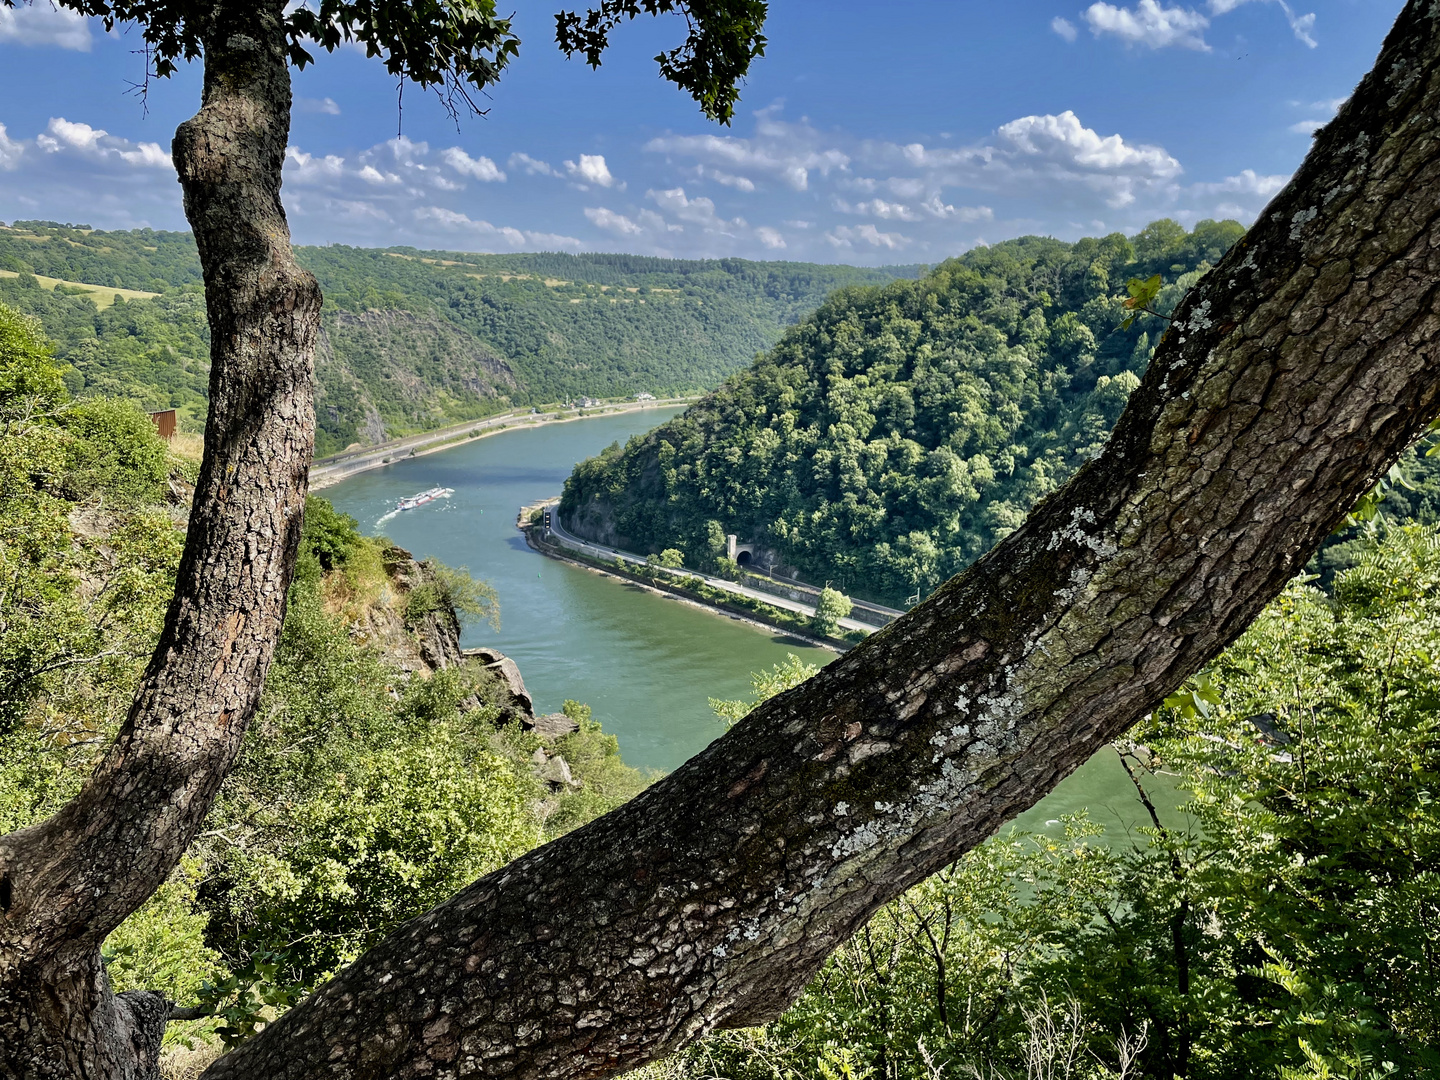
point(1290, 380)
point(69, 881)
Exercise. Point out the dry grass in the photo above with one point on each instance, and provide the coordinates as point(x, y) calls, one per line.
point(179, 1062)
point(189, 445)
point(363, 585)
point(103, 295)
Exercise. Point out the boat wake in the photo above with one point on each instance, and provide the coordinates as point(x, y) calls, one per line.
point(413, 501)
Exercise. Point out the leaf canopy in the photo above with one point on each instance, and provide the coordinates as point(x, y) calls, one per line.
point(458, 47)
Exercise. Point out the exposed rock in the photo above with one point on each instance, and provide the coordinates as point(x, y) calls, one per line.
point(419, 365)
point(437, 632)
point(556, 772)
point(508, 672)
point(179, 491)
point(553, 725)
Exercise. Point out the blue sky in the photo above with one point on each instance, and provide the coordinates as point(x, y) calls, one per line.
point(870, 133)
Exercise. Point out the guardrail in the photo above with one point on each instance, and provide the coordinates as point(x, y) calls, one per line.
point(803, 591)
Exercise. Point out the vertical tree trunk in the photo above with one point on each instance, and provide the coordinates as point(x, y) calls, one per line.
point(72, 879)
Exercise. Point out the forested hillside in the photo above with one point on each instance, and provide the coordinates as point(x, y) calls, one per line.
point(385, 769)
point(415, 340)
point(897, 434)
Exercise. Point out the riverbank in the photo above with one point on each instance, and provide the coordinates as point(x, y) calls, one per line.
point(670, 591)
point(692, 589)
point(729, 591)
point(331, 470)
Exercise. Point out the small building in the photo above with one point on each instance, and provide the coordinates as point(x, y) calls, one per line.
point(164, 422)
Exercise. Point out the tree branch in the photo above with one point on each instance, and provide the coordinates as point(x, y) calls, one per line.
point(1291, 378)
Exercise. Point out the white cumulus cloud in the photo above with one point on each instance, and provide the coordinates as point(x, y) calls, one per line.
point(1246, 182)
point(1149, 24)
point(1065, 28)
point(530, 166)
point(325, 106)
point(771, 238)
point(513, 238)
point(147, 155)
point(62, 135)
point(845, 236)
point(605, 218)
point(788, 152)
point(591, 170)
point(1302, 26)
point(478, 168)
point(303, 168)
point(372, 175)
point(739, 183)
point(698, 210)
point(10, 150)
point(40, 24)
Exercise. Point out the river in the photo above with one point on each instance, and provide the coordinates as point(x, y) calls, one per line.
point(645, 664)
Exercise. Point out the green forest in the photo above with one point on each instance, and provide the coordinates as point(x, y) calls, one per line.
point(365, 793)
point(415, 340)
point(894, 436)
point(1280, 923)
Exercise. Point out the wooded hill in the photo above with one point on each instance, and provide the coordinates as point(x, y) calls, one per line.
point(415, 339)
point(898, 433)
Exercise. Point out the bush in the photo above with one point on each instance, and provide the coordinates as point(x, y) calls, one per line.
point(392, 833)
point(329, 536)
point(116, 453)
point(832, 606)
point(453, 588)
point(26, 368)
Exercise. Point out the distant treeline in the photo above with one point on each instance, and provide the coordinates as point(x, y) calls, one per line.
point(418, 339)
point(896, 435)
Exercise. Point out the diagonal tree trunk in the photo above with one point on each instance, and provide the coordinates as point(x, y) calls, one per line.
point(1290, 380)
point(66, 883)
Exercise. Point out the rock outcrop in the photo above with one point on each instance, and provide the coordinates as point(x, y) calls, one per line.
point(508, 673)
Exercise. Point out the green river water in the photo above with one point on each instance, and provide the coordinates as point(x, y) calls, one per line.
point(645, 664)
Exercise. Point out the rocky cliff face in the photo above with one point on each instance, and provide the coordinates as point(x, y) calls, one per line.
point(423, 644)
point(391, 368)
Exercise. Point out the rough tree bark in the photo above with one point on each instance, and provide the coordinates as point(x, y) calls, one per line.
point(1290, 380)
point(69, 881)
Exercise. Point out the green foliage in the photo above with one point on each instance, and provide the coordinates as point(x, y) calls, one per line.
point(766, 684)
point(672, 558)
point(724, 38)
point(363, 794)
point(85, 565)
point(594, 758)
point(1142, 296)
point(461, 49)
point(117, 454)
point(26, 369)
point(447, 588)
point(329, 537)
point(899, 432)
point(162, 945)
point(416, 339)
point(830, 608)
point(1281, 925)
point(393, 833)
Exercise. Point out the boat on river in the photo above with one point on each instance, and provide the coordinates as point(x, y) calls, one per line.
point(424, 497)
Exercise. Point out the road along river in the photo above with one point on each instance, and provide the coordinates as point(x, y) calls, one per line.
point(646, 664)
